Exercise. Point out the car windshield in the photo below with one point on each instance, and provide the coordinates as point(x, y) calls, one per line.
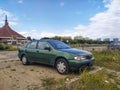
point(59, 45)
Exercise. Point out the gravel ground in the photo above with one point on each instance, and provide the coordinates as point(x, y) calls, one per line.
point(9, 55)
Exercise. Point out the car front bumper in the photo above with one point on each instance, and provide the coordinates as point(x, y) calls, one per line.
point(76, 65)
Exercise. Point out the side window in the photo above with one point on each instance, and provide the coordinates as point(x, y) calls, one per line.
point(32, 45)
point(42, 45)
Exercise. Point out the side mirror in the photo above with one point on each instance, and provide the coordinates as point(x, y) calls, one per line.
point(47, 48)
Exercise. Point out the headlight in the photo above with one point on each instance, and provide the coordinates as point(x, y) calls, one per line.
point(79, 57)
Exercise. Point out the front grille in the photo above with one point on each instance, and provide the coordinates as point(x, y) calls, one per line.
point(88, 56)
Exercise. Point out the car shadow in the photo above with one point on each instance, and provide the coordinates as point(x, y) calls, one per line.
point(43, 65)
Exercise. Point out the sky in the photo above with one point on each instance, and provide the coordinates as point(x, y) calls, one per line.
point(48, 18)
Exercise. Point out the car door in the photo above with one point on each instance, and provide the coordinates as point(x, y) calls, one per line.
point(31, 51)
point(44, 55)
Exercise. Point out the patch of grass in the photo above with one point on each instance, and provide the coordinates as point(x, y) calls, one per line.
point(8, 66)
point(33, 87)
point(5, 61)
point(97, 81)
point(69, 77)
point(23, 72)
point(32, 69)
point(4, 47)
point(47, 81)
point(118, 82)
point(13, 69)
point(112, 75)
point(108, 58)
point(10, 76)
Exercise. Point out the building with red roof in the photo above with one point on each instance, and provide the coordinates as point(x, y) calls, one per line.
point(9, 36)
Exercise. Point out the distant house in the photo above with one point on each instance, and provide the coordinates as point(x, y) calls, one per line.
point(115, 39)
point(115, 44)
point(9, 36)
point(106, 39)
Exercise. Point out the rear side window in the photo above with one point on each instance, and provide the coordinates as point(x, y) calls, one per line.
point(32, 45)
point(42, 45)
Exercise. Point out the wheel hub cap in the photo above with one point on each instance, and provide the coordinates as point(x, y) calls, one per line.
point(61, 67)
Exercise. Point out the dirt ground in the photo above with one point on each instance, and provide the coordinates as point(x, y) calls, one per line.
point(9, 55)
point(15, 76)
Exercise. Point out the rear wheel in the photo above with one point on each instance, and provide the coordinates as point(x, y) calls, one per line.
point(62, 66)
point(24, 60)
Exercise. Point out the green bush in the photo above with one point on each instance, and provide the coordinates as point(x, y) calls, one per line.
point(8, 47)
point(2, 47)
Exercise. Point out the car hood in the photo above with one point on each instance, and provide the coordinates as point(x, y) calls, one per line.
point(75, 51)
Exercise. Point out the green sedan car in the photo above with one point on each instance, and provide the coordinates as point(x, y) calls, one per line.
point(55, 53)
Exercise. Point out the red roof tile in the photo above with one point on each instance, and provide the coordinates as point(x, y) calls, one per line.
point(6, 31)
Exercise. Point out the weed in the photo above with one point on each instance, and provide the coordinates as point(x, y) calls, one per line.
point(23, 72)
point(47, 81)
point(97, 81)
point(32, 69)
point(37, 71)
point(112, 75)
point(10, 76)
point(108, 58)
point(13, 69)
point(33, 87)
point(69, 77)
point(8, 66)
point(8, 47)
point(94, 82)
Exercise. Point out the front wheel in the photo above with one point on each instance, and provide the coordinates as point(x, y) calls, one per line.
point(62, 66)
point(24, 60)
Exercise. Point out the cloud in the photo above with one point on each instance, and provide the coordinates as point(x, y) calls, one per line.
point(104, 24)
point(3, 13)
point(10, 22)
point(12, 19)
point(81, 27)
point(36, 34)
point(62, 4)
point(20, 1)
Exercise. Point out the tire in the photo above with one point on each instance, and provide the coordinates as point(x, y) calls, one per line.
point(24, 60)
point(62, 66)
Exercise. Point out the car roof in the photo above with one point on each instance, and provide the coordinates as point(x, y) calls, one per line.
point(47, 40)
